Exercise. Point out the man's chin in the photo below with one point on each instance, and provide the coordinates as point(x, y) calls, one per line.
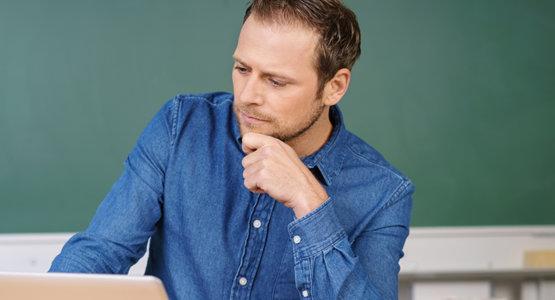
point(244, 130)
point(256, 129)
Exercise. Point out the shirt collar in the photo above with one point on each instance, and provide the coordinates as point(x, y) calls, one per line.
point(329, 158)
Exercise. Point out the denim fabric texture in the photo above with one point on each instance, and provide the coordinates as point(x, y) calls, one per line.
point(211, 238)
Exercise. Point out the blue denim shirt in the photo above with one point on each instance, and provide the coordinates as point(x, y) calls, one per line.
point(211, 238)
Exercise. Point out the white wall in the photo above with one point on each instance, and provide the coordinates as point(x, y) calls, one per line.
point(487, 258)
point(473, 248)
point(31, 252)
point(476, 263)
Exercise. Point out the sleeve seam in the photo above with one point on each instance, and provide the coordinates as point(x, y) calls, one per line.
point(131, 169)
point(398, 191)
point(374, 163)
point(174, 113)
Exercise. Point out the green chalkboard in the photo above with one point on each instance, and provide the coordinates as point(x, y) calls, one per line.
point(460, 95)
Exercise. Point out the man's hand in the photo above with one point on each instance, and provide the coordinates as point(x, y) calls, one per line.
point(273, 167)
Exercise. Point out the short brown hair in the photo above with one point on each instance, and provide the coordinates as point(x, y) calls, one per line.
point(339, 45)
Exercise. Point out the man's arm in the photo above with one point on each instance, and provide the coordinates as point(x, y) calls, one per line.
point(117, 236)
point(327, 266)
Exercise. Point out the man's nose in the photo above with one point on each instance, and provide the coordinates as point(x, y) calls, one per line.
point(252, 92)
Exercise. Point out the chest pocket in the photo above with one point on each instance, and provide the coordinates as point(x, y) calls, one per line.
point(284, 287)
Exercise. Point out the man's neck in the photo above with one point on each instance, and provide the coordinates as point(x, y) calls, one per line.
point(315, 137)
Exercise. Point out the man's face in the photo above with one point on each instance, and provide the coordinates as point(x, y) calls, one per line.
point(274, 80)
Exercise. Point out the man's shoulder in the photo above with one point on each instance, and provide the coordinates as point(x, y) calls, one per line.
point(367, 156)
point(208, 98)
point(185, 107)
point(196, 111)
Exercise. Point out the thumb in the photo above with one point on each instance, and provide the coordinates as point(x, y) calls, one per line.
point(252, 141)
point(246, 149)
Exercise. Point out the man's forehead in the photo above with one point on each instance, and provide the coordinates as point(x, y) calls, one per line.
point(275, 45)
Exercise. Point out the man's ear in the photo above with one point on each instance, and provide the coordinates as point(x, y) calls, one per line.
point(336, 87)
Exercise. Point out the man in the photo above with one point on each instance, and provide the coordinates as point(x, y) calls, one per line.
point(261, 194)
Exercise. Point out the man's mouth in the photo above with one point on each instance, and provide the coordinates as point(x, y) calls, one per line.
point(249, 119)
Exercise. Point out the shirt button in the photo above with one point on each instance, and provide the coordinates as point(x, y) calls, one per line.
point(256, 223)
point(296, 239)
point(305, 293)
point(243, 281)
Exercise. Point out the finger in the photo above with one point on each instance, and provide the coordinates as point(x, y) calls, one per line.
point(250, 170)
point(251, 158)
point(251, 185)
point(252, 141)
point(259, 172)
point(261, 154)
point(246, 149)
point(259, 191)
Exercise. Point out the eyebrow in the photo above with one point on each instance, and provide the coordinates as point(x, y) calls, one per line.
point(265, 74)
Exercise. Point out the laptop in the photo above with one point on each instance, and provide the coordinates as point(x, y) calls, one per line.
point(65, 286)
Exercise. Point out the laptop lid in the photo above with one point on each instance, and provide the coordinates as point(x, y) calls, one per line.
point(65, 286)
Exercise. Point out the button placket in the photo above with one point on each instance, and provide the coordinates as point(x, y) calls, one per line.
point(254, 246)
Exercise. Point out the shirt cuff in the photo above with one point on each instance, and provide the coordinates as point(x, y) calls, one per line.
point(315, 232)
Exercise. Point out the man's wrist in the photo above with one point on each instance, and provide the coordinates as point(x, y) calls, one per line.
point(308, 202)
point(318, 230)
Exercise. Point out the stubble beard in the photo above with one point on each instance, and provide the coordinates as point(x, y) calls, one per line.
point(279, 132)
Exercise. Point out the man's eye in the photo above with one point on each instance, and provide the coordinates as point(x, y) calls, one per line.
point(276, 83)
point(241, 69)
